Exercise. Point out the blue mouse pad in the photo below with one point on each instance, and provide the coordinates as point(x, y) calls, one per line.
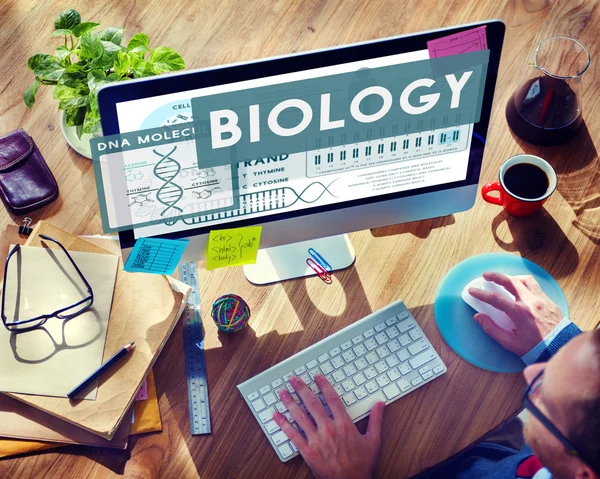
point(455, 320)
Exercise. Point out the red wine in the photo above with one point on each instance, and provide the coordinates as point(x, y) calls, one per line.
point(544, 111)
point(526, 181)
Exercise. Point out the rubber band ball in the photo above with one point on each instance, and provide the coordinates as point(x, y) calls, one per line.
point(230, 313)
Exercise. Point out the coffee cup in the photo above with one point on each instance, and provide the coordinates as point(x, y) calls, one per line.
point(525, 183)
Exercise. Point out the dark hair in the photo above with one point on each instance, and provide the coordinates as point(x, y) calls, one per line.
point(586, 433)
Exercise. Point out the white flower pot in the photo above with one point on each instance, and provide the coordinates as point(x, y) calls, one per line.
point(80, 145)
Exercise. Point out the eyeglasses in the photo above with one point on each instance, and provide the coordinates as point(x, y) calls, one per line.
point(67, 312)
point(540, 416)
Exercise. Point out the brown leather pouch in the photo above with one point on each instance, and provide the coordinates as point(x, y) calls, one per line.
point(26, 182)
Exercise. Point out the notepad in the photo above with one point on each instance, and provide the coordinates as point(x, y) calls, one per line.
point(232, 247)
point(464, 42)
point(155, 255)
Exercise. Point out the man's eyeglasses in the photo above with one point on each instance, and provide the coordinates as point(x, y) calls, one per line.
point(67, 312)
point(548, 424)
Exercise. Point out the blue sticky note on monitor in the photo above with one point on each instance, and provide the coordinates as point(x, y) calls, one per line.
point(155, 255)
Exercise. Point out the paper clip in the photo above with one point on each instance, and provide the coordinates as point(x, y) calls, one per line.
point(319, 259)
point(321, 273)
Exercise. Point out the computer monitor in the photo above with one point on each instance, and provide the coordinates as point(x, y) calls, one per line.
point(365, 183)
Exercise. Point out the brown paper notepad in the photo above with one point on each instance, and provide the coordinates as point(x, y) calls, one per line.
point(145, 309)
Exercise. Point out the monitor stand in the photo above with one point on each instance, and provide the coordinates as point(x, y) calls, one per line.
point(289, 261)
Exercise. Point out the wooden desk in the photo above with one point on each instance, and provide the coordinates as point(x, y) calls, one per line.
point(406, 261)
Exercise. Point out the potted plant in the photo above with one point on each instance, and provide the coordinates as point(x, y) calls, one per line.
point(86, 60)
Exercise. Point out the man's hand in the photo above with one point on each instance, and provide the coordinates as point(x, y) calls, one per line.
point(332, 448)
point(534, 314)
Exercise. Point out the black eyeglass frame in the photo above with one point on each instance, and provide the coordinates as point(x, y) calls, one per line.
point(548, 424)
point(56, 314)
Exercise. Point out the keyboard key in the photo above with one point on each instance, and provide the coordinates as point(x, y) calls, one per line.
point(300, 370)
point(360, 350)
point(348, 356)
point(372, 358)
point(393, 320)
point(381, 367)
point(381, 338)
point(278, 390)
point(357, 339)
point(348, 385)
point(383, 352)
point(339, 389)
point(279, 438)
point(402, 315)
point(403, 384)
point(371, 387)
point(350, 370)
point(371, 344)
point(416, 381)
point(337, 362)
point(404, 339)
point(322, 398)
point(368, 333)
point(285, 450)
point(393, 374)
point(270, 399)
point(326, 367)
point(281, 407)
point(365, 405)
point(392, 333)
point(422, 358)
point(289, 417)
point(335, 352)
point(370, 372)
point(266, 415)
point(265, 389)
point(277, 383)
point(383, 381)
point(438, 369)
point(425, 368)
point(287, 376)
point(380, 327)
point(359, 379)
point(329, 378)
point(312, 373)
point(289, 387)
point(393, 345)
point(306, 378)
point(295, 398)
point(258, 405)
point(311, 364)
point(391, 391)
point(346, 345)
point(427, 375)
point(323, 357)
point(403, 355)
point(404, 369)
point(253, 396)
point(349, 399)
point(392, 360)
point(272, 427)
point(416, 334)
point(361, 364)
point(314, 388)
point(361, 392)
point(417, 347)
point(339, 376)
point(405, 325)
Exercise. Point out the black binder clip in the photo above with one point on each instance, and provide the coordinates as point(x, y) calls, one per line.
point(25, 230)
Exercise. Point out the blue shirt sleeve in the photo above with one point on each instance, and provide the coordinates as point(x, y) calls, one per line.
point(549, 346)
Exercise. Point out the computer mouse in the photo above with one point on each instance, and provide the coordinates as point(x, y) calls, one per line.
point(499, 317)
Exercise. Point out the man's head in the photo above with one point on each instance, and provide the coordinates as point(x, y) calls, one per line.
point(570, 397)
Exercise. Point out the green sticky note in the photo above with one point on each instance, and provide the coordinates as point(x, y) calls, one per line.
point(233, 247)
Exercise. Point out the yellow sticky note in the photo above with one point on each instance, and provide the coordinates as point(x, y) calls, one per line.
point(233, 247)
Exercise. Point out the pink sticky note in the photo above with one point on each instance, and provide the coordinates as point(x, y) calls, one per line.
point(142, 394)
point(463, 42)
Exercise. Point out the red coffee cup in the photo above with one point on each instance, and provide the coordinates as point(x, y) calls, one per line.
point(522, 191)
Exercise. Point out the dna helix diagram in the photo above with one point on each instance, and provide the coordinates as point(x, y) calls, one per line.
point(170, 192)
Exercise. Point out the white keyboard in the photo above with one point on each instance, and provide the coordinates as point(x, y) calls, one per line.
point(381, 357)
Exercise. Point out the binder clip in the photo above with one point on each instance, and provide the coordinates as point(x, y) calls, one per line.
point(25, 230)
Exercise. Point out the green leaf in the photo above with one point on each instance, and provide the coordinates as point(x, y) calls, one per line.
point(122, 64)
point(112, 34)
point(61, 32)
point(67, 19)
point(62, 52)
point(97, 79)
point(91, 47)
point(91, 123)
point(64, 92)
point(50, 69)
point(75, 102)
point(75, 116)
point(165, 59)
point(75, 77)
point(110, 54)
point(36, 59)
point(138, 40)
point(142, 68)
point(84, 27)
point(29, 94)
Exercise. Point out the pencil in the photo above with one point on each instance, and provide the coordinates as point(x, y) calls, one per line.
point(112, 360)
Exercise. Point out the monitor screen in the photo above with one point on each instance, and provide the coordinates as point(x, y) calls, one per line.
point(323, 178)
